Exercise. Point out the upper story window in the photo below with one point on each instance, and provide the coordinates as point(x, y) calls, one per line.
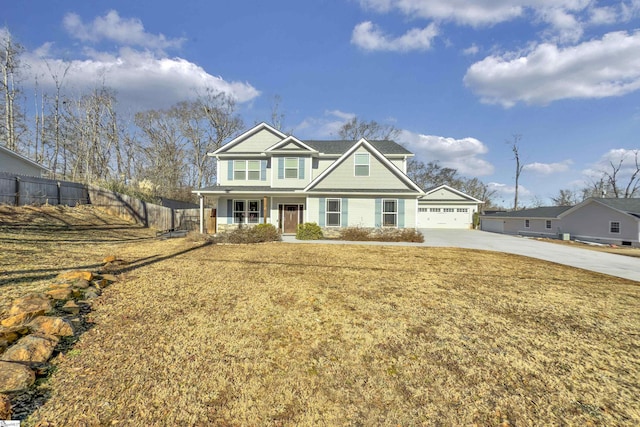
point(291, 167)
point(246, 170)
point(361, 164)
point(614, 227)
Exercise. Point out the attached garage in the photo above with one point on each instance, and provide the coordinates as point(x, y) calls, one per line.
point(446, 207)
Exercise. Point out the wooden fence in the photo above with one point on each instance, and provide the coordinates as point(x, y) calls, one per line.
point(19, 190)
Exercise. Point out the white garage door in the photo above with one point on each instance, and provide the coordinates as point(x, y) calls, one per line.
point(444, 217)
point(494, 225)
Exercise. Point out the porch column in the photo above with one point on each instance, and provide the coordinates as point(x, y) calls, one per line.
point(201, 197)
point(264, 209)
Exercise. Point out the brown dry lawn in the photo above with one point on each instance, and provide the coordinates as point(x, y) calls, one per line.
point(281, 334)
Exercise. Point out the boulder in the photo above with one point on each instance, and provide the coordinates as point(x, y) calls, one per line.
point(30, 304)
point(5, 407)
point(12, 334)
point(34, 348)
point(51, 326)
point(76, 274)
point(20, 319)
point(15, 377)
point(60, 293)
point(71, 307)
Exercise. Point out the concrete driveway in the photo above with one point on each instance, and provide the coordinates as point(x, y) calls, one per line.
point(611, 264)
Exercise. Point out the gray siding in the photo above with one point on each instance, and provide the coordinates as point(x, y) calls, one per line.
point(11, 164)
point(256, 143)
point(592, 222)
point(380, 177)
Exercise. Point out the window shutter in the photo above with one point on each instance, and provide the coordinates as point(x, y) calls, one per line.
point(280, 168)
point(263, 170)
point(401, 213)
point(321, 214)
point(230, 170)
point(301, 167)
point(378, 212)
point(230, 211)
point(344, 206)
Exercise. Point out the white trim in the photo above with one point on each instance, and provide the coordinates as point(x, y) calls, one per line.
point(453, 190)
point(326, 211)
point(290, 139)
point(245, 135)
point(382, 213)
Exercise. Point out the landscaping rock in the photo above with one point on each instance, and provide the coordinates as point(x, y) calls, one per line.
point(30, 304)
point(77, 274)
point(92, 293)
point(110, 258)
point(81, 284)
point(11, 335)
point(51, 326)
point(60, 293)
point(109, 277)
point(34, 348)
point(20, 319)
point(15, 377)
point(71, 307)
point(5, 407)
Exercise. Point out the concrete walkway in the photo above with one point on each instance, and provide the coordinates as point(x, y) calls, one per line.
point(611, 264)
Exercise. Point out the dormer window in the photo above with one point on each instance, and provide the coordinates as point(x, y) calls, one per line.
point(361, 164)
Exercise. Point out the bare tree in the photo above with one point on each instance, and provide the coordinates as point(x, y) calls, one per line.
point(515, 148)
point(9, 67)
point(566, 197)
point(432, 174)
point(613, 177)
point(277, 117)
point(355, 129)
point(55, 116)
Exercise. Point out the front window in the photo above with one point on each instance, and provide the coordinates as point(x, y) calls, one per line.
point(291, 167)
point(246, 211)
point(548, 224)
point(389, 213)
point(526, 223)
point(361, 164)
point(333, 213)
point(246, 170)
point(614, 227)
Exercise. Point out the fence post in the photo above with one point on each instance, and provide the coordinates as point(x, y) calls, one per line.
point(59, 193)
point(17, 191)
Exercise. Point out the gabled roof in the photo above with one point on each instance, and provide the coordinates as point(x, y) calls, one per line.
point(451, 189)
point(548, 212)
point(247, 134)
point(626, 206)
point(377, 154)
point(291, 140)
point(23, 158)
point(341, 146)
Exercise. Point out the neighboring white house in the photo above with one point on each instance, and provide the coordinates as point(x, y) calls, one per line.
point(446, 207)
point(12, 162)
point(265, 176)
point(603, 220)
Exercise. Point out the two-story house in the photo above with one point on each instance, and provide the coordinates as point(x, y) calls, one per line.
point(265, 176)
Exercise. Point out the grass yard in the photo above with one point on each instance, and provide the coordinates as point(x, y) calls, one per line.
point(280, 334)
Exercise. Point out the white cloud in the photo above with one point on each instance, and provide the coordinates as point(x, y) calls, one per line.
point(548, 168)
point(508, 190)
point(368, 36)
point(140, 79)
point(471, 50)
point(618, 157)
point(564, 26)
point(461, 154)
point(594, 69)
point(327, 126)
point(127, 32)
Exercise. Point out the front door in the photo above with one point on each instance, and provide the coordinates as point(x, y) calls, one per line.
point(290, 218)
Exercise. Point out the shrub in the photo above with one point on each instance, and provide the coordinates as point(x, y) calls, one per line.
point(381, 234)
point(309, 231)
point(257, 234)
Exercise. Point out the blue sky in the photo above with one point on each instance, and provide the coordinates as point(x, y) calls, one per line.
point(458, 77)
